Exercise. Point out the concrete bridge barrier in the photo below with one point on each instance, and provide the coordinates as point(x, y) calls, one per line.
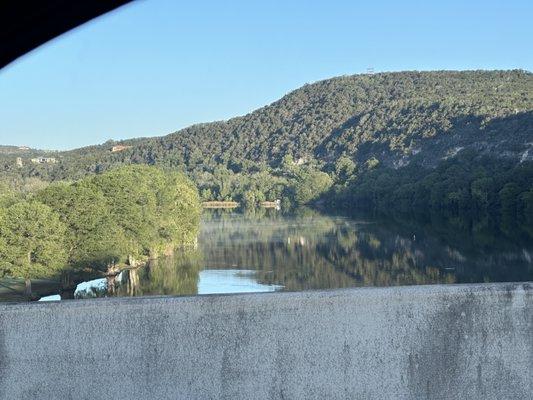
point(428, 342)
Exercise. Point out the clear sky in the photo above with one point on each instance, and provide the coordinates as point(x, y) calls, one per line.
point(155, 66)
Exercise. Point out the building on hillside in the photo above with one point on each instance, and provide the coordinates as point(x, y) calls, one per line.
point(119, 147)
point(23, 148)
point(19, 162)
point(44, 160)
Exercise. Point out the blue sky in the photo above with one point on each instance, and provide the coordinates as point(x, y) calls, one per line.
point(155, 66)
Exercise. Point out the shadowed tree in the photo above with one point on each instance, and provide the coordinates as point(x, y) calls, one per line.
point(345, 169)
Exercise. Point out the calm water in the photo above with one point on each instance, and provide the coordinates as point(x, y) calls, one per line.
point(266, 251)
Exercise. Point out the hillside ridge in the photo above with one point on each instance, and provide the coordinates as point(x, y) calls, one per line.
point(395, 118)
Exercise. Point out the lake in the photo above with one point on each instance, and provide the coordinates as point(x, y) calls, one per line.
point(268, 251)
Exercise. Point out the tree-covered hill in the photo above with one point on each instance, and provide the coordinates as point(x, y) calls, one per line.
point(387, 118)
point(391, 117)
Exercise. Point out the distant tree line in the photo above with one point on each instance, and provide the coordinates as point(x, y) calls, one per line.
point(293, 184)
point(99, 223)
point(465, 185)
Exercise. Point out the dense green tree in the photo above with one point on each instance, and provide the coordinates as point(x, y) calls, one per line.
point(287, 163)
point(7, 195)
point(223, 176)
point(93, 238)
point(178, 209)
point(132, 202)
point(345, 169)
point(310, 184)
point(33, 242)
point(526, 210)
point(480, 189)
point(155, 210)
point(508, 200)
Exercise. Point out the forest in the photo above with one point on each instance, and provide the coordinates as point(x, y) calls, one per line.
point(477, 188)
point(99, 224)
point(393, 118)
point(453, 143)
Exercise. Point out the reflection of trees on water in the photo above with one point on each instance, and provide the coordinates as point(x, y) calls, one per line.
point(315, 251)
point(476, 249)
point(174, 275)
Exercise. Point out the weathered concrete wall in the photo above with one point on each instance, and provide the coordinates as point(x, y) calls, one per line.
point(432, 342)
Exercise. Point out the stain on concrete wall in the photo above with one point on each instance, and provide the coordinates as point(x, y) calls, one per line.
point(427, 342)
